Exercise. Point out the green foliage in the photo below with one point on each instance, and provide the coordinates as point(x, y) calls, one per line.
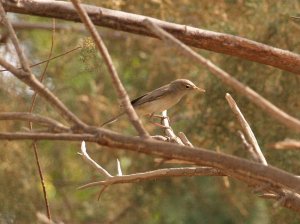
point(82, 82)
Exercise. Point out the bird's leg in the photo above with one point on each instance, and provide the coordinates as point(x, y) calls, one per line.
point(155, 123)
point(161, 117)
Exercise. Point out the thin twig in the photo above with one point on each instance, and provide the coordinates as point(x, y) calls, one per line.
point(25, 116)
point(34, 144)
point(286, 144)
point(154, 174)
point(246, 129)
point(185, 140)
point(253, 96)
point(44, 71)
point(123, 96)
point(49, 59)
point(87, 158)
point(248, 146)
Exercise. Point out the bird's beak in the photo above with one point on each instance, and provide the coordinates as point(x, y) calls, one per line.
point(199, 89)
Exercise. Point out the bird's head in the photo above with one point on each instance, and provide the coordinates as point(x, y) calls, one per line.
point(184, 85)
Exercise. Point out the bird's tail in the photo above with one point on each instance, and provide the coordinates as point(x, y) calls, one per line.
point(112, 119)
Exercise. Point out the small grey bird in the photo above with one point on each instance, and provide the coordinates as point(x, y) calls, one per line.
point(160, 99)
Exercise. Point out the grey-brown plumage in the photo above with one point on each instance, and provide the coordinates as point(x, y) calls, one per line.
point(160, 99)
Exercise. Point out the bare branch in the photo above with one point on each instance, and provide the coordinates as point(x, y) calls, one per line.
point(154, 174)
point(287, 144)
point(246, 128)
point(123, 96)
point(23, 25)
point(248, 146)
point(49, 59)
point(87, 158)
point(254, 97)
point(250, 172)
point(185, 140)
point(195, 37)
point(24, 116)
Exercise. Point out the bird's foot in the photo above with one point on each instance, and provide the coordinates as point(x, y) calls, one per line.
point(159, 116)
point(161, 125)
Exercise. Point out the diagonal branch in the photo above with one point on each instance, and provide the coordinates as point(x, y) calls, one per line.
point(253, 96)
point(192, 36)
point(246, 128)
point(123, 96)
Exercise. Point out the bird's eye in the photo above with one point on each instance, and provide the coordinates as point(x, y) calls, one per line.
point(187, 86)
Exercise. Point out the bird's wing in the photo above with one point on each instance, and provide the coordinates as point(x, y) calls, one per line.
point(148, 97)
point(112, 119)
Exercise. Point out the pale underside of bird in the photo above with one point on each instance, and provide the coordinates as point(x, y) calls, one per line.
point(160, 99)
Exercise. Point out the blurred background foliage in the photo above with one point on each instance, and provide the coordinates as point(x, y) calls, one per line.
point(82, 82)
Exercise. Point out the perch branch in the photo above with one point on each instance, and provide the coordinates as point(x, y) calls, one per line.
point(251, 172)
point(168, 130)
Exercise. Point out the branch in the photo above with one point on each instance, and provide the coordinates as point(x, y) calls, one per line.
point(122, 94)
point(24, 116)
point(23, 25)
point(254, 97)
point(250, 172)
point(149, 175)
point(248, 146)
point(49, 59)
point(195, 37)
point(87, 158)
point(154, 174)
point(287, 144)
point(246, 128)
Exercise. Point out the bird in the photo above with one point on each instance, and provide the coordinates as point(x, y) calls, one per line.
point(160, 99)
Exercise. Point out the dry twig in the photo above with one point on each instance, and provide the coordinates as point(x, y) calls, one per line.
point(287, 144)
point(149, 175)
point(24, 116)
